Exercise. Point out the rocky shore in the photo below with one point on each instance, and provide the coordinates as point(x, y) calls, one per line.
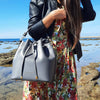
point(9, 89)
point(88, 85)
point(6, 58)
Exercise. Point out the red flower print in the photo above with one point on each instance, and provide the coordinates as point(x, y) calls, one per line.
point(74, 90)
point(69, 90)
point(61, 98)
point(29, 97)
point(72, 70)
point(58, 49)
point(76, 97)
point(68, 44)
point(58, 35)
point(62, 46)
point(57, 71)
point(54, 96)
point(74, 65)
point(41, 97)
point(65, 82)
point(68, 61)
point(62, 58)
point(42, 85)
point(66, 56)
point(60, 77)
point(53, 35)
point(58, 22)
point(51, 85)
point(23, 94)
point(73, 95)
point(75, 79)
point(71, 53)
point(34, 84)
point(58, 43)
point(38, 94)
point(27, 83)
point(63, 41)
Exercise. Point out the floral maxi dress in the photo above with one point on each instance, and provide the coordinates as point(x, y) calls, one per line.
point(65, 85)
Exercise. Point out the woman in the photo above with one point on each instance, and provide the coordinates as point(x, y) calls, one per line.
point(67, 15)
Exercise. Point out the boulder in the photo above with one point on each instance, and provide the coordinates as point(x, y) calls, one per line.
point(89, 85)
point(6, 58)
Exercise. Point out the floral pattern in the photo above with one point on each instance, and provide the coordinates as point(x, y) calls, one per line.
point(65, 85)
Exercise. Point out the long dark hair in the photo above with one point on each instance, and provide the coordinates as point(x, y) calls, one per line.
point(73, 18)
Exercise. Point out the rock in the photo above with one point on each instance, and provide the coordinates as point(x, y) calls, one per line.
point(82, 44)
point(6, 58)
point(97, 45)
point(9, 89)
point(83, 91)
point(8, 48)
point(93, 65)
point(95, 93)
point(89, 86)
point(1, 41)
point(88, 74)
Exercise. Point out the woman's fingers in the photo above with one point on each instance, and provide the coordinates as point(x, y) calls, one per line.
point(59, 14)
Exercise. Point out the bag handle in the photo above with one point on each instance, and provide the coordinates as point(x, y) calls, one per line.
point(25, 33)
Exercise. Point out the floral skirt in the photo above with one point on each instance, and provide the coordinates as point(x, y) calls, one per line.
point(65, 85)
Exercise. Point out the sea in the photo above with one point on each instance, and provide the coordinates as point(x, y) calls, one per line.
point(9, 88)
point(90, 49)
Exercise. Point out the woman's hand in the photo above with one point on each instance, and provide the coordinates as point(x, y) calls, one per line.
point(53, 15)
point(58, 14)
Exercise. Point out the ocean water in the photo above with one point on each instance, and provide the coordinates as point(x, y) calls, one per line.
point(90, 49)
point(7, 45)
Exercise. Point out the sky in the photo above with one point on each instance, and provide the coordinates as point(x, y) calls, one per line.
point(14, 15)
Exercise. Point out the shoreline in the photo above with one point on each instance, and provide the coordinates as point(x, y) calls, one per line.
point(90, 38)
point(18, 39)
point(88, 86)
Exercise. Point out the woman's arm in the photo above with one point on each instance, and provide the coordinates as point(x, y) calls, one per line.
point(88, 12)
point(38, 25)
point(35, 22)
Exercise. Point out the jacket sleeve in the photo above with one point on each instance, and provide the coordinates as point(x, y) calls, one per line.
point(35, 19)
point(88, 12)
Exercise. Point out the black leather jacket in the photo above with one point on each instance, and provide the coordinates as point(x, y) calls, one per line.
point(37, 11)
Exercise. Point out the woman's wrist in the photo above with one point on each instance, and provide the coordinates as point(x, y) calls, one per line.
point(53, 14)
point(48, 20)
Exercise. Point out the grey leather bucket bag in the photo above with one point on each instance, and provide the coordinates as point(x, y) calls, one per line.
point(34, 61)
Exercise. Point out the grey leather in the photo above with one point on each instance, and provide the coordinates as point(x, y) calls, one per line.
point(34, 59)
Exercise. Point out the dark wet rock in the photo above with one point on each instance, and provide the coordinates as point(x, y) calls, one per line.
point(88, 74)
point(85, 44)
point(88, 85)
point(17, 43)
point(6, 58)
point(1, 41)
point(9, 89)
point(94, 65)
point(8, 48)
point(97, 45)
point(6, 42)
point(85, 50)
